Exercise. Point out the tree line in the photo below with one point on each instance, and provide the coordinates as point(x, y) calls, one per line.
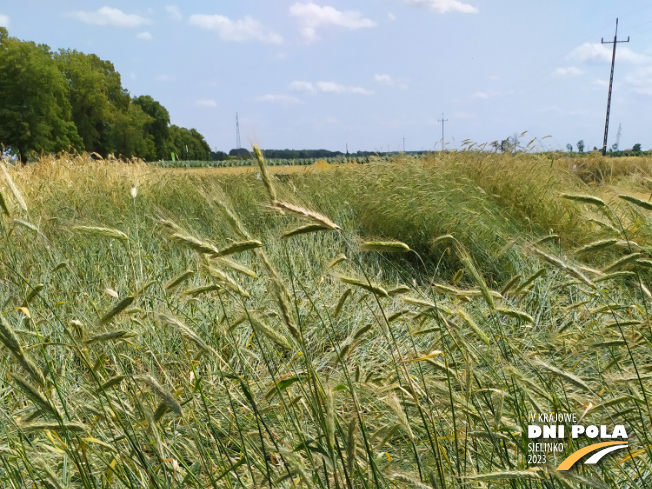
point(636, 149)
point(71, 101)
point(283, 154)
point(295, 154)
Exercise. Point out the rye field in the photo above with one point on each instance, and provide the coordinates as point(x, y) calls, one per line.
point(393, 324)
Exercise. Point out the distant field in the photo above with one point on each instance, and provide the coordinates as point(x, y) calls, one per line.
point(270, 162)
point(385, 325)
point(320, 165)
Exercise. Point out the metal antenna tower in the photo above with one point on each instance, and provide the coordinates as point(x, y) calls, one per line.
point(620, 131)
point(442, 130)
point(611, 81)
point(237, 132)
point(403, 144)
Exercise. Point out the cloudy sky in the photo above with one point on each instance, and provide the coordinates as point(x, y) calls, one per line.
point(324, 73)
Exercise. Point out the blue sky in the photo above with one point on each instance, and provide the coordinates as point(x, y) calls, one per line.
point(324, 73)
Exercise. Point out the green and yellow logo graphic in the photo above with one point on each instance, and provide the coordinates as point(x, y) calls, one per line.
point(607, 447)
point(549, 439)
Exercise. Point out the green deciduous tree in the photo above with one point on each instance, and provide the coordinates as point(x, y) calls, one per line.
point(71, 100)
point(219, 156)
point(181, 138)
point(35, 114)
point(96, 96)
point(129, 135)
point(107, 118)
point(158, 127)
point(243, 153)
point(580, 146)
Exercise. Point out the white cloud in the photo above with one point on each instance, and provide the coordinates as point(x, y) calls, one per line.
point(641, 81)
point(331, 87)
point(600, 83)
point(570, 71)
point(236, 30)
point(391, 16)
point(302, 86)
point(444, 6)
point(109, 16)
point(311, 16)
point(165, 78)
point(145, 36)
point(4, 20)
point(591, 52)
point(278, 98)
point(175, 13)
point(327, 87)
point(206, 103)
point(629, 56)
point(484, 95)
point(384, 80)
point(595, 52)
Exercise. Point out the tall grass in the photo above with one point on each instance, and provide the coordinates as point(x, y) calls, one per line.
point(226, 331)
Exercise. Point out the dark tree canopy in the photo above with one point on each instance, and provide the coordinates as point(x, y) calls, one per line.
point(97, 99)
point(75, 101)
point(188, 144)
point(35, 114)
point(158, 127)
point(129, 135)
point(219, 156)
point(240, 152)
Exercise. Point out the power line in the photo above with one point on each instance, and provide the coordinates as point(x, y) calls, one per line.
point(237, 132)
point(442, 130)
point(611, 81)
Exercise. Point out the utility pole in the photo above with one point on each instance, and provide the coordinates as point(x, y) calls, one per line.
point(237, 132)
point(442, 130)
point(403, 144)
point(611, 81)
